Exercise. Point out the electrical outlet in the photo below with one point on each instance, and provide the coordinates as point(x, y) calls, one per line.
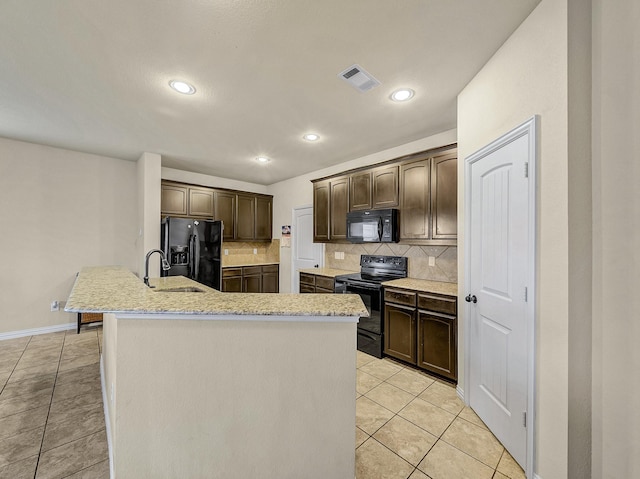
point(226, 252)
point(55, 306)
point(255, 250)
point(432, 260)
point(336, 255)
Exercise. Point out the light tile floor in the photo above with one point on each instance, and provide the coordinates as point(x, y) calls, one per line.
point(408, 424)
point(51, 415)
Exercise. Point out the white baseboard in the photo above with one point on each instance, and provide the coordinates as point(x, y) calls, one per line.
point(460, 392)
point(34, 331)
point(106, 415)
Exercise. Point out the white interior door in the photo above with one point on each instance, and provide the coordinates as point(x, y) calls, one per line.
point(499, 271)
point(305, 253)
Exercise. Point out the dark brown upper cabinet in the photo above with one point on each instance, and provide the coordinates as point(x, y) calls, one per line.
point(444, 196)
point(174, 199)
point(246, 216)
point(330, 206)
point(339, 206)
point(321, 212)
point(264, 215)
point(182, 200)
point(374, 189)
point(201, 202)
point(360, 191)
point(385, 187)
point(225, 211)
point(254, 217)
point(415, 188)
point(423, 186)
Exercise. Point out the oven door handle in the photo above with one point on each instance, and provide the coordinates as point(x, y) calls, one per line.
point(363, 285)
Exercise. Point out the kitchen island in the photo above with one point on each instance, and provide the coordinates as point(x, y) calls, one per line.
point(217, 385)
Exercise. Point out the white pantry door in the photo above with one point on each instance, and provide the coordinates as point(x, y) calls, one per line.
point(305, 253)
point(499, 270)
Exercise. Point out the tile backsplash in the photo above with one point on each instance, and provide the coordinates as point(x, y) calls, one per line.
point(242, 253)
point(445, 258)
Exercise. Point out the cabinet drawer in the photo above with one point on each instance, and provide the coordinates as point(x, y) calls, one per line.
point(307, 288)
point(229, 272)
point(441, 304)
point(324, 283)
point(324, 291)
point(270, 268)
point(251, 270)
point(307, 279)
point(399, 297)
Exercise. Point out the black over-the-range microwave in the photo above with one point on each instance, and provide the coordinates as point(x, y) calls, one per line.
point(373, 226)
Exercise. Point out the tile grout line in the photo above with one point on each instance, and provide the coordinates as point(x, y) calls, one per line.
point(35, 473)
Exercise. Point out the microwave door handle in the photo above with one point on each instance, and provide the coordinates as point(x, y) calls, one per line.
point(380, 229)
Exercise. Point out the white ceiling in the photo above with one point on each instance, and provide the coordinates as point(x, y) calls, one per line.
point(92, 75)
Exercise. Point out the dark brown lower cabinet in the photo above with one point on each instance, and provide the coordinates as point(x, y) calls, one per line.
point(270, 279)
point(399, 332)
point(421, 329)
point(437, 343)
point(251, 279)
point(313, 283)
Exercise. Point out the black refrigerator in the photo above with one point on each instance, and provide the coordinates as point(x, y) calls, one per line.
point(193, 249)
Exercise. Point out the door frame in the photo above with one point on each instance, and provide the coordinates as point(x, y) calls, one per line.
point(294, 227)
point(528, 128)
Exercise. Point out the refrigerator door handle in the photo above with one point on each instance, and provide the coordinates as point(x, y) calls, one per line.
point(196, 255)
point(191, 258)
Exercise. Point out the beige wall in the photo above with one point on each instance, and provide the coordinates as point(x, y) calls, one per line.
point(616, 239)
point(526, 77)
point(298, 191)
point(61, 210)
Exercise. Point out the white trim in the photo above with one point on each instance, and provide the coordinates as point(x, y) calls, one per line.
point(528, 128)
point(35, 331)
point(106, 416)
point(460, 392)
point(535, 476)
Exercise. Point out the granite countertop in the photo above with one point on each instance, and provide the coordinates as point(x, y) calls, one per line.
point(114, 289)
point(329, 272)
point(424, 286)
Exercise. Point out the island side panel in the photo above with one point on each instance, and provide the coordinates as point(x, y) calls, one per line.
point(222, 399)
point(109, 371)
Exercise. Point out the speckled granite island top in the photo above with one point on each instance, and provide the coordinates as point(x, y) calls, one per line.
point(114, 289)
point(329, 272)
point(424, 286)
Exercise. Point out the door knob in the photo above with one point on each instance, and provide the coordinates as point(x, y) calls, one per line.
point(471, 299)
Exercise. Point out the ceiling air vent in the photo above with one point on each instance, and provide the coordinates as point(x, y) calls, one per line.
point(358, 78)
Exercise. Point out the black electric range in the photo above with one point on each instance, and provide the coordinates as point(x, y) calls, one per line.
point(374, 270)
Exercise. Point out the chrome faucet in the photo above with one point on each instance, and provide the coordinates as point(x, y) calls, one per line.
point(165, 264)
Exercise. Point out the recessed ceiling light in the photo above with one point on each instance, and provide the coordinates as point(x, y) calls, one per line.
point(311, 137)
point(182, 87)
point(403, 94)
point(262, 159)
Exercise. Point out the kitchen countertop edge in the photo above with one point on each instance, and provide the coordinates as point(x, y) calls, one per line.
point(114, 289)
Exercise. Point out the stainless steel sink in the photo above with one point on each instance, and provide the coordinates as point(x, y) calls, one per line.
point(186, 289)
